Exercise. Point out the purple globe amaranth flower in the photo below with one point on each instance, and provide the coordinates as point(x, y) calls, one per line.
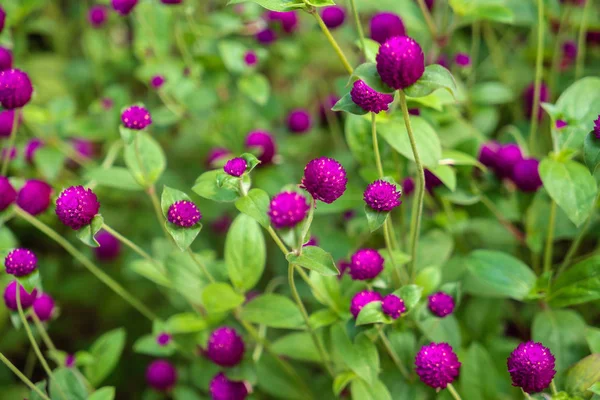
point(488, 154)
point(163, 339)
point(250, 58)
point(325, 179)
point(10, 296)
point(333, 16)
point(531, 367)
point(441, 304)
point(393, 306)
point(506, 158)
point(222, 388)
point(382, 196)
point(161, 375)
point(597, 127)
point(266, 36)
point(184, 213)
point(437, 365)
point(368, 99)
point(2, 18)
point(136, 117)
point(43, 307)
point(526, 175)
point(70, 361)
point(31, 147)
point(34, 196)
point(365, 264)
point(361, 299)
point(15, 89)
point(299, 121)
point(7, 119)
point(216, 156)
point(528, 99)
point(97, 16)
point(313, 241)
point(287, 209)
point(124, 7)
point(560, 124)
point(225, 347)
point(157, 81)
point(264, 142)
point(431, 181)
point(414, 111)
point(569, 49)
point(77, 206)
point(386, 25)
point(20, 262)
point(6, 59)
point(287, 20)
point(400, 62)
point(462, 60)
point(235, 167)
point(110, 246)
point(408, 186)
point(8, 194)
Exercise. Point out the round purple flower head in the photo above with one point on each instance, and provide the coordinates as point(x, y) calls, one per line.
point(124, 7)
point(400, 62)
point(8, 194)
point(488, 154)
point(287, 209)
point(569, 49)
point(34, 196)
point(161, 375)
point(235, 167)
point(43, 307)
point(264, 142)
point(6, 58)
point(97, 16)
point(222, 388)
point(10, 296)
point(20, 262)
point(32, 146)
point(507, 157)
point(441, 304)
point(2, 18)
point(184, 213)
point(382, 196)
point(216, 156)
point(369, 99)
point(437, 365)
point(250, 58)
point(333, 16)
point(361, 299)
point(163, 339)
point(528, 97)
point(597, 127)
point(393, 306)
point(288, 20)
point(365, 264)
point(299, 121)
point(462, 60)
point(325, 179)
point(408, 186)
point(15, 89)
point(136, 117)
point(77, 206)
point(225, 347)
point(7, 118)
point(156, 82)
point(109, 248)
point(526, 175)
point(266, 36)
point(386, 25)
point(531, 367)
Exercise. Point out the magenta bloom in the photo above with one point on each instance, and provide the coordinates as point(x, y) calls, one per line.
point(437, 365)
point(441, 304)
point(382, 196)
point(84, 148)
point(369, 99)
point(107, 103)
point(136, 117)
point(325, 179)
point(161, 375)
point(462, 60)
point(20, 262)
point(343, 266)
point(235, 166)
point(7, 118)
point(531, 367)
point(2, 19)
point(10, 296)
point(216, 156)
point(184, 213)
point(43, 307)
point(266, 36)
point(6, 58)
point(97, 16)
point(34, 196)
point(163, 339)
point(386, 25)
point(15, 89)
point(264, 143)
point(560, 124)
point(221, 224)
point(408, 186)
point(225, 347)
point(156, 82)
point(287, 20)
point(507, 157)
point(313, 241)
point(287, 209)
point(32, 146)
point(488, 154)
point(250, 58)
point(77, 206)
point(569, 49)
point(299, 121)
point(333, 16)
point(70, 361)
point(431, 181)
point(222, 388)
point(361, 299)
point(393, 306)
point(526, 175)
point(528, 97)
point(109, 248)
point(365, 264)
point(8, 194)
point(124, 7)
point(597, 127)
point(400, 62)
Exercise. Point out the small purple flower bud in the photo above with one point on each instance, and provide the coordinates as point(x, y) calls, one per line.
point(507, 157)
point(431, 181)
point(437, 365)
point(84, 148)
point(264, 143)
point(31, 147)
point(266, 36)
point(43, 307)
point(161, 375)
point(343, 266)
point(528, 97)
point(414, 111)
point(10, 296)
point(184, 213)
point(325, 179)
point(34, 196)
point(361, 299)
point(109, 248)
point(163, 339)
point(136, 117)
point(7, 118)
point(70, 361)
point(97, 16)
point(333, 16)
point(441, 304)
point(400, 62)
point(250, 58)
point(299, 121)
point(20, 262)
point(15, 89)
point(171, 2)
point(488, 154)
point(6, 58)
point(107, 103)
point(225, 347)
point(235, 167)
point(462, 60)
point(393, 306)
point(8, 194)
point(560, 124)
point(569, 49)
point(287, 20)
point(369, 99)
point(288, 209)
point(157, 81)
point(408, 186)
point(430, 4)
point(2, 19)
point(443, 61)
point(124, 7)
point(597, 127)
point(382, 196)
point(77, 206)
point(365, 264)
point(313, 241)
point(526, 175)
point(386, 25)
point(222, 388)
point(216, 156)
point(531, 367)
point(221, 225)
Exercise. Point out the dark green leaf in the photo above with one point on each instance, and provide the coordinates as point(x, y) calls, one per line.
point(297, 346)
point(361, 390)
point(273, 310)
point(435, 77)
point(442, 330)
point(107, 351)
point(478, 375)
point(592, 336)
point(580, 284)
point(342, 380)
point(361, 356)
point(245, 252)
point(368, 73)
point(256, 205)
point(274, 5)
point(206, 186)
point(346, 104)
point(316, 259)
point(113, 177)
point(322, 318)
point(185, 323)
point(105, 393)
point(49, 161)
point(411, 294)
point(87, 233)
point(66, 382)
point(220, 297)
point(275, 381)
point(148, 345)
point(583, 375)
point(33, 395)
point(446, 174)
point(256, 87)
point(30, 281)
point(375, 219)
point(145, 159)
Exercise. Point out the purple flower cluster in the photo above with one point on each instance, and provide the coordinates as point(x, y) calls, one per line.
point(285, 20)
point(361, 299)
point(382, 196)
point(15, 89)
point(437, 365)
point(157, 81)
point(441, 304)
point(365, 264)
point(163, 339)
point(597, 127)
point(34, 196)
point(221, 388)
point(225, 347)
point(368, 99)
point(235, 167)
point(43, 307)
point(97, 16)
point(10, 296)
point(507, 162)
point(215, 157)
point(20, 262)
point(31, 147)
point(250, 58)
point(124, 7)
point(109, 248)
point(136, 117)
point(385, 26)
point(333, 16)
point(299, 121)
point(184, 213)
point(393, 306)
point(6, 59)
point(161, 375)
point(264, 143)
point(7, 118)
point(400, 62)
point(531, 367)
point(77, 206)
point(528, 99)
point(288, 209)
point(462, 60)
point(325, 179)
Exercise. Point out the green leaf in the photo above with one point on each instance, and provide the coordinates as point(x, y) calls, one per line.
point(68, 383)
point(148, 345)
point(206, 186)
point(106, 350)
point(185, 323)
point(256, 87)
point(87, 233)
point(483, 10)
point(592, 336)
point(245, 252)
point(453, 157)
point(113, 177)
point(320, 3)
point(372, 314)
point(361, 356)
point(368, 73)
point(275, 381)
point(591, 151)
point(571, 186)
point(185, 275)
point(342, 380)
point(273, 310)
point(251, 160)
point(491, 93)
point(151, 271)
point(375, 219)
point(105, 393)
point(411, 294)
point(182, 236)
point(297, 346)
point(256, 205)
point(322, 318)
point(49, 161)
point(33, 395)
point(30, 281)
point(346, 104)
point(446, 174)
point(478, 374)
point(127, 134)
point(220, 297)
point(361, 390)
point(316, 259)
point(429, 279)
point(274, 5)
point(145, 159)
point(579, 284)
point(435, 77)
point(496, 274)
point(232, 53)
point(442, 330)
point(581, 376)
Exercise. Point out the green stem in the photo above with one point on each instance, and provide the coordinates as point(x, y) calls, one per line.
point(201, 265)
point(574, 246)
point(158, 212)
point(317, 292)
point(109, 160)
point(549, 238)
point(428, 19)
point(42, 331)
point(388, 245)
point(11, 142)
point(475, 43)
point(22, 377)
point(553, 388)
point(527, 396)
point(556, 54)
point(393, 355)
point(359, 28)
point(128, 243)
point(506, 223)
point(277, 240)
point(538, 78)
point(453, 392)
point(376, 145)
point(581, 39)
point(307, 224)
point(333, 42)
